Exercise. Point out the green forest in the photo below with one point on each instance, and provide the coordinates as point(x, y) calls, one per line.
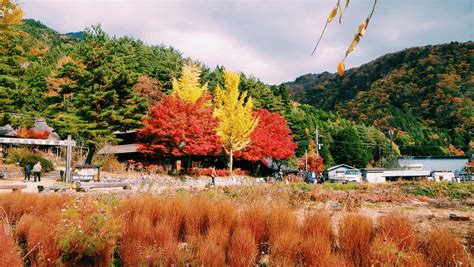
point(425, 94)
point(90, 84)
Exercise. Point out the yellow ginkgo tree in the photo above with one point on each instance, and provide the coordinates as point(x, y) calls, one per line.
point(234, 111)
point(188, 87)
point(10, 14)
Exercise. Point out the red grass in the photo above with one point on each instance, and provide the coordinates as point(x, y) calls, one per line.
point(243, 249)
point(398, 228)
point(316, 240)
point(254, 217)
point(443, 249)
point(284, 236)
point(385, 252)
point(9, 251)
point(355, 235)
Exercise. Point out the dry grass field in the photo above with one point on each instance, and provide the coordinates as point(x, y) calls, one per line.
point(397, 224)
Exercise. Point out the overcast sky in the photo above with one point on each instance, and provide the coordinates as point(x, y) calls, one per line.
point(270, 39)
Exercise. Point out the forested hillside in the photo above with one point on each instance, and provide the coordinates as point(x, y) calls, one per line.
point(424, 93)
point(90, 84)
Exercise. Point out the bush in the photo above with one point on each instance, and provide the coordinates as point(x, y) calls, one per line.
point(398, 228)
point(243, 249)
point(109, 163)
point(24, 156)
point(317, 240)
point(443, 249)
point(355, 235)
point(9, 251)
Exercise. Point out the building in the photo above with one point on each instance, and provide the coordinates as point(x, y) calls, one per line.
point(455, 164)
point(126, 150)
point(373, 175)
point(406, 174)
point(337, 172)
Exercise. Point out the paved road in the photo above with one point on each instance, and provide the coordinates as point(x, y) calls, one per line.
point(47, 179)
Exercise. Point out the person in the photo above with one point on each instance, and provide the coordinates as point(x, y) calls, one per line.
point(37, 171)
point(27, 172)
point(213, 176)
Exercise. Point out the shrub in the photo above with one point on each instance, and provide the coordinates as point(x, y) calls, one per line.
point(109, 163)
point(24, 156)
point(316, 240)
point(385, 252)
point(87, 233)
point(355, 235)
point(398, 228)
point(443, 249)
point(37, 232)
point(284, 236)
point(254, 217)
point(9, 252)
point(243, 250)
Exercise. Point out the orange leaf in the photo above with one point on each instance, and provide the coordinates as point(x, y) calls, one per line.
point(340, 68)
point(332, 14)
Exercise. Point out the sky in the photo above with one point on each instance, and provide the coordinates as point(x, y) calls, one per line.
point(269, 39)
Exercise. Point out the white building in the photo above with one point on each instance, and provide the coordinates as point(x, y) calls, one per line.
point(373, 175)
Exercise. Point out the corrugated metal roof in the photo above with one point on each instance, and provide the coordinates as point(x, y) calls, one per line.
point(118, 149)
point(406, 173)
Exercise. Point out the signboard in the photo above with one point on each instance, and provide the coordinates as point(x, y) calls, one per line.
point(40, 142)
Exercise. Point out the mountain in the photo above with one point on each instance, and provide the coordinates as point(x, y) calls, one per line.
point(94, 85)
point(76, 35)
point(424, 93)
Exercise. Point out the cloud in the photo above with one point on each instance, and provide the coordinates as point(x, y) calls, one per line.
point(271, 39)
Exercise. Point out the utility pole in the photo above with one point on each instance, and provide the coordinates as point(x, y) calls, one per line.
point(306, 160)
point(68, 158)
point(317, 142)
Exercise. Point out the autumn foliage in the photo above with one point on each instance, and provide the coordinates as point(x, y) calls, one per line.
point(177, 127)
point(32, 133)
point(271, 138)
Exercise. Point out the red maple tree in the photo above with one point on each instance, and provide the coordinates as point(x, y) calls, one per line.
point(177, 127)
point(315, 163)
point(271, 138)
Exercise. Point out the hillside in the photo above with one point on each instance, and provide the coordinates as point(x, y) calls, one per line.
point(94, 85)
point(424, 93)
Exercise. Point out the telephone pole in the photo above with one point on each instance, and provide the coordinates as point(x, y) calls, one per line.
point(317, 142)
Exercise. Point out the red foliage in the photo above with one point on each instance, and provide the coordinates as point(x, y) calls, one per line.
point(219, 172)
point(177, 128)
point(315, 163)
point(271, 138)
point(31, 133)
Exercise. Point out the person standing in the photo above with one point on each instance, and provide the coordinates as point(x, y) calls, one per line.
point(27, 172)
point(37, 171)
point(213, 176)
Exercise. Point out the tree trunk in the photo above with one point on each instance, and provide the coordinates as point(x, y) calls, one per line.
point(231, 160)
point(90, 154)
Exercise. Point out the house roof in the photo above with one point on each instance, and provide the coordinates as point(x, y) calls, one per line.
point(340, 166)
point(373, 170)
point(405, 173)
point(118, 149)
point(432, 157)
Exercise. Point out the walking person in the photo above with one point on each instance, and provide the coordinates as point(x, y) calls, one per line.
point(27, 172)
point(213, 176)
point(37, 171)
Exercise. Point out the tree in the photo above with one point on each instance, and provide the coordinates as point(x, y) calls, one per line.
point(177, 127)
point(271, 138)
point(349, 149)
point(234, 111)
point(149, 89)
point(188, 87)
point(10, 14)
point(97, 89)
